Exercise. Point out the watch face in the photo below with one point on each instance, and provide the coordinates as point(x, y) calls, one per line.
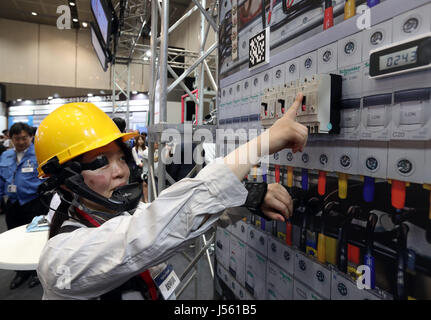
point(276, 156)
point(286, 255)
point(305, 157)
point(292, 68)
point(266, 78)
point(255, 82)
point(246, 85)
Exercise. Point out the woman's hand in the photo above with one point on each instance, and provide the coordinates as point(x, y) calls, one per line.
point(277, 204)
point(286, 132)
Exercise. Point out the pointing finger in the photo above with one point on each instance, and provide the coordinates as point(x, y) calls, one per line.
point(291, 113)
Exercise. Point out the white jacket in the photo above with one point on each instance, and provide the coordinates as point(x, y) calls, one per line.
point(88, 262)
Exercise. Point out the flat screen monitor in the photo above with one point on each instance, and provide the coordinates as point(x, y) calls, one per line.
point(100, 51)
point(102, 16)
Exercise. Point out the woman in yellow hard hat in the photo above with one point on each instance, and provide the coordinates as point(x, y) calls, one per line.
point(97, 248)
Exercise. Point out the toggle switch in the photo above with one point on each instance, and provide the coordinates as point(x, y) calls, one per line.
point(265, 105)
point(282, 104)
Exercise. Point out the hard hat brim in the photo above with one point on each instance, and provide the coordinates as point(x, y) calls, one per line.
point(72, 152)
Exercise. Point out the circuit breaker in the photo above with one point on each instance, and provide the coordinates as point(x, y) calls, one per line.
point(320, 109)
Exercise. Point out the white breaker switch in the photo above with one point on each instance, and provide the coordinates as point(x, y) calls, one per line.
point(411, 118)
point(320, 109)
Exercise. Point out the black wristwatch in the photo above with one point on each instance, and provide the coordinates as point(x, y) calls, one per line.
point(256, 195)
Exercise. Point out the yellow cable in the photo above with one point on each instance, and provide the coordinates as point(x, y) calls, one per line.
point(342, 185)
point(349, 9)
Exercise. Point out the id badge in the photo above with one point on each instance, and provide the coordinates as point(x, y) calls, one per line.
point(167, 281)
point(11, 188)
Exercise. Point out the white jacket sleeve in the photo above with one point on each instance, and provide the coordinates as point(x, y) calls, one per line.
point(136, 157)
point(88, 262)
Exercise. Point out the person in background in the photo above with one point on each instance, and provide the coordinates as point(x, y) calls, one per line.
point(34, 133)
point(141, 161)
point(7, 142)
point(121, 124)
point(145, 136)
point(19, 183)
point(2, 147)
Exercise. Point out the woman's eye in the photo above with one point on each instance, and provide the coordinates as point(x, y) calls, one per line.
point(103, 160)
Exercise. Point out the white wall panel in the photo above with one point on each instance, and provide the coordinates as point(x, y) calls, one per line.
point(57, 56)
point(18, 51)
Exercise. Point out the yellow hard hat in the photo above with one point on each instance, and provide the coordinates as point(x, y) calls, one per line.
point(74, 129)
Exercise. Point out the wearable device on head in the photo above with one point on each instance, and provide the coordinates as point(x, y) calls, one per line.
point(70, 131)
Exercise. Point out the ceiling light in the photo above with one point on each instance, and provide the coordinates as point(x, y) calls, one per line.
point(49, 98)
point(85, 24)
point(148, 53)
point(75, 20)
point(90, 94)
point(19, 100)
point(71, 3)
point(34, 13)
point(134, 92)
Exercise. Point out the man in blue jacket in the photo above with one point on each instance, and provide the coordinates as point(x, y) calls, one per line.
point(18, 188)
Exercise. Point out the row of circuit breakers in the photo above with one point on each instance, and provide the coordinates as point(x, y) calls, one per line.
point(253, 264)
point(367, 101)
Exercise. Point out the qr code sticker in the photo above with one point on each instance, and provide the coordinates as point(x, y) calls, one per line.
point(258, 49)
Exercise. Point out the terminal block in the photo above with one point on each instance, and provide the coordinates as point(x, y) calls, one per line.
point(320, 108)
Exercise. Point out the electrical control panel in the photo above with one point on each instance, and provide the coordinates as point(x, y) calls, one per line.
point(367, 130)
point(320, 107)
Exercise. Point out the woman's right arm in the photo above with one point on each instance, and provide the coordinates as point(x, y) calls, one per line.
point(135, 157)
point(96, 260)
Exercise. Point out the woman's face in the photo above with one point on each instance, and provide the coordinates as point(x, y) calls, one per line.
point(105, 179)
point(141, 141)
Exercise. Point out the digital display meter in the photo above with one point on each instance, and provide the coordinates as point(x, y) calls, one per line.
point(401, 57)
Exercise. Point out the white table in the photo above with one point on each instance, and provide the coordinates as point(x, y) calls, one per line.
point(20, 250)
